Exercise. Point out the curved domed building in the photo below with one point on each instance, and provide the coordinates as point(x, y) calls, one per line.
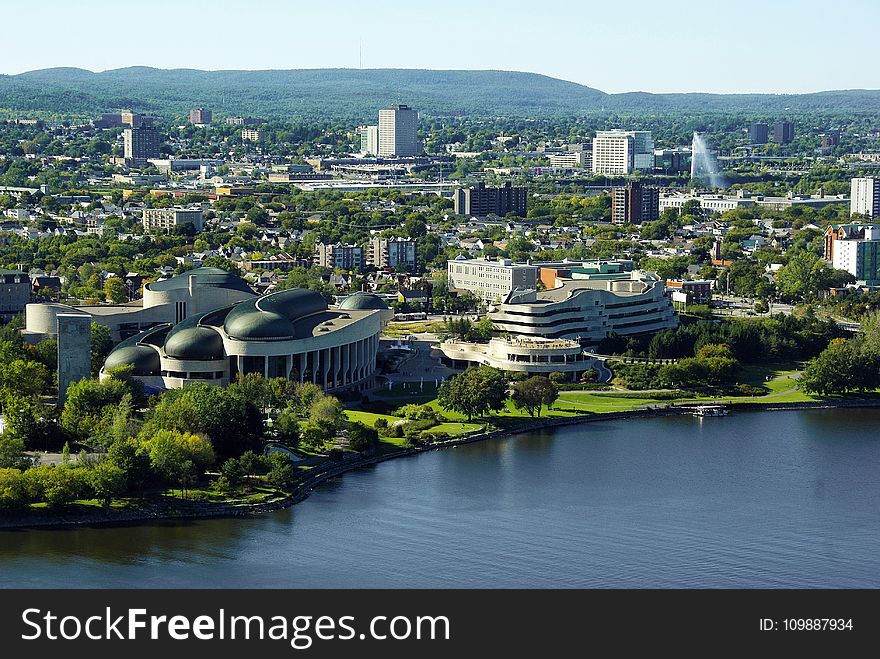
point(362, 301)
point(291, 334)
point(165, 301)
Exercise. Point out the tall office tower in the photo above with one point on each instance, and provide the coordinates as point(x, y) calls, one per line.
point(369, 139)
point(622, 151)
point(397, 131)
point(200, 116)
point(634, 204)
point(141, 143)
point(759, 133)
point(783, 132)
point(864, 196)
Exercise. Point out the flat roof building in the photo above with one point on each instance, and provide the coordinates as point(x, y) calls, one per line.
point(168, 219)
point(339, 255)
point(864, 196)
point(141, 143)
point(200, 116)
point(392, 252)
point(490, 281)
point(481, 200)
point(398, 131)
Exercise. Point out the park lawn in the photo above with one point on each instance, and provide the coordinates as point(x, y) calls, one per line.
point(405, 328)
point(588, 401)
point(393, 443)
point(119, 504)
point(456, 428)
point(370, 418)
point(509, 413)
point(408, 391)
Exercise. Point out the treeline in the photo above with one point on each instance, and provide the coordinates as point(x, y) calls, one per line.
point(778, 337)
point(847, 365)
point(133, 446)
point(710, 354)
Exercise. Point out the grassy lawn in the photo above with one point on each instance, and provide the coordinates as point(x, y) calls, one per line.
point(412, 327)
point(588, 401)
point(408, 391)
point(369, 418)
point(456, 428)
point(393, 443)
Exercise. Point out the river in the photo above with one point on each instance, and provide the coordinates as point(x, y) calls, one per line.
point(772, 499)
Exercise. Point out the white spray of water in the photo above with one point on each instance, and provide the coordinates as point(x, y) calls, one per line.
point(703, 165)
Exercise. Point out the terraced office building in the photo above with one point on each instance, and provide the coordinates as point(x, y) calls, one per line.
point(586, 305)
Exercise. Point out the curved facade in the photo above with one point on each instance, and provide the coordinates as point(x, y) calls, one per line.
point(291, 334)
point(165, 301)
point(528, 355)
point(588, 310)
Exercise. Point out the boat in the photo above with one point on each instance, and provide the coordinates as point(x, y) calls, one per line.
point(709, 410)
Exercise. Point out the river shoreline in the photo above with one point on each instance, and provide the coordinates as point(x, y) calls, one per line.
point(198, 510)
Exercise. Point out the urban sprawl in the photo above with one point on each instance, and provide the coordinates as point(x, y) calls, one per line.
point(218, 305)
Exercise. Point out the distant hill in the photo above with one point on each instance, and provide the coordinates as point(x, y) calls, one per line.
point(357, 94)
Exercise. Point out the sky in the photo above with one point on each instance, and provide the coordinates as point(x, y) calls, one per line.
point(737, 46)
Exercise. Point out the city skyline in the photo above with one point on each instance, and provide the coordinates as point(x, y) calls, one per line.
point(699, 56)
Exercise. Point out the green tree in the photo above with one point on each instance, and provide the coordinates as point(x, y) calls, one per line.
point(12, 453)
point(133, 459)
point(108, 481)
point(13, 490)
point(90, 407)
point(170, 452)
point(326, 413)
point(286, 426)
point(282, 474)
point(532, 394)
point(115, 290)
point(24, 377)
point(805, 274)
point(101, 346)
point(362, 438)
point(475, 392)
point(232, 423)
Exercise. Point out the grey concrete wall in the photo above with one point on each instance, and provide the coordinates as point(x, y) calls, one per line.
point(74, 351)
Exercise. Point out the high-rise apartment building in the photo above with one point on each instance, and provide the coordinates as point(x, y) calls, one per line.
point(392, 252)
point(622, 151)
point(634, 204)
point(200, 116)
point(167, 219)
point(250, 135)
point(346, 257)
point(369, 136)
point(398, 126)
point(864, 196)
point(783, 132)
point(141, 143)
point(481, 200)
point(759, 133)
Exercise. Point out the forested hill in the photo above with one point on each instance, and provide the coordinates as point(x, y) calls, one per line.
point(356, 94)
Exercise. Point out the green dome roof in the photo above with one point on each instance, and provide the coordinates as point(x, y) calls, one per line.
point(209, 276)
point(188, 340)
point(273, 316)
point(144, 359)
point(363, 302)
